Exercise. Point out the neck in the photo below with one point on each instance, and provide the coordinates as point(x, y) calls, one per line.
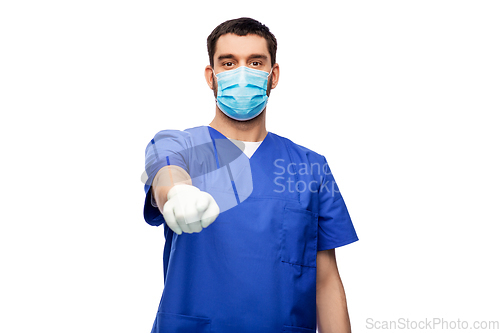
point(252, 130)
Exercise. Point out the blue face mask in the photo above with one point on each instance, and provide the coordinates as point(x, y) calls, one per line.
point(242, 92)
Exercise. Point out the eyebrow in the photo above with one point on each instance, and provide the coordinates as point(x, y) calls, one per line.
point(231, 56)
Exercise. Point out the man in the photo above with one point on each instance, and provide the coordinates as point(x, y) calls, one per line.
point(251, 219)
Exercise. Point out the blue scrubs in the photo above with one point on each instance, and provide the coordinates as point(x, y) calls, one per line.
point(254, 268)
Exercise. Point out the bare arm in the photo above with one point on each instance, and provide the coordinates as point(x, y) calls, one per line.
point(165, 179)
point(331, 304)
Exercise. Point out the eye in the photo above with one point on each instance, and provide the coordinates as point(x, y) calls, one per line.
point(227, 64)
point(255, 63)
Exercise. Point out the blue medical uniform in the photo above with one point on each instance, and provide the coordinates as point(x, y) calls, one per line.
point(254, 268)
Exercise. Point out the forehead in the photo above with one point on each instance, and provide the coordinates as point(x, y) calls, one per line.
point(241, 46)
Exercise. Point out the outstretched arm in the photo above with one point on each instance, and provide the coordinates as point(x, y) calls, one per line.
point(165, 179)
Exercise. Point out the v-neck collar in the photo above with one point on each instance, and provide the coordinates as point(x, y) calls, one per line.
point(218, 134)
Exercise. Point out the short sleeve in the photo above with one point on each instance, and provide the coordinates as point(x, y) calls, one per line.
point(166, 148)
point(335, 227)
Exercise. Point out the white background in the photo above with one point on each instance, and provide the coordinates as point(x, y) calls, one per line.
point(402, 97)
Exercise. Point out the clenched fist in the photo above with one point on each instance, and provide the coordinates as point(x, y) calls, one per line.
point(188, 209)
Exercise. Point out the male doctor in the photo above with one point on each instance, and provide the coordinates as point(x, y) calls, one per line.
point(251, 219)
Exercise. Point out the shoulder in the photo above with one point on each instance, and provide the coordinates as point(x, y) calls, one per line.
point(182, 137)
point(171, 134)
point(299, 151)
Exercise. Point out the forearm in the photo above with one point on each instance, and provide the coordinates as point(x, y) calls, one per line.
point(331, 306)
point(165, 179)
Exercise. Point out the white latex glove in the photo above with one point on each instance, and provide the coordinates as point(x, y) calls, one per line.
point(188, 209)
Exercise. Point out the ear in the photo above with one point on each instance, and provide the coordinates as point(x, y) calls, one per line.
point(275, 75)
point(209, 77)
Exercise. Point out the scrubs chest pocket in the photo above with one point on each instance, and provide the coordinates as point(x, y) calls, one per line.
point(299, 235)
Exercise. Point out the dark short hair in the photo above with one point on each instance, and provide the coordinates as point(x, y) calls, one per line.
point(242, 26)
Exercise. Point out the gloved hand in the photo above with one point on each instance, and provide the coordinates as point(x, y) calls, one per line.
point(188, 209)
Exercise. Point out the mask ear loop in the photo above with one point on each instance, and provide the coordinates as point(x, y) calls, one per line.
point(272, 67)
point(214, 76)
